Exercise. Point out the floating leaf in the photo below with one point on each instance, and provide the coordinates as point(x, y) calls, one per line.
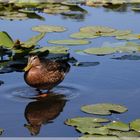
point(98, 137)
point(117, 125)
point(69, 42)
point(124, 134)
point(100, 51)
point(118, 33)
point(103, 109)
point(53, 49)
point(33, 41)
point(92, 130)
point(83, 35)
point(135, 125)
point(85, 121)
point(99, 30)
point(128, 37)
point(48, 28)
point(86, 64)
point(6, 40)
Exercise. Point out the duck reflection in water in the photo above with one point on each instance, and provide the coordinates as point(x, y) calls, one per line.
point(43, 111)
point(45, 74)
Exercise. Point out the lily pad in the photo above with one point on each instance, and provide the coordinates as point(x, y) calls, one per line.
point(129, 37)
point(104, 109)
point(99, 30)
point(91, 130)
point(83, 35)
point(118, 33)
point(53, 49)
point(33, 41)
point(117, 125)
point(124, 134)
point(100, 51)
point(6, 40)
point(135, 125)
point(48, 28)
point(69, 42)
point(127, 57)
point(86, 64)
point(86, 121)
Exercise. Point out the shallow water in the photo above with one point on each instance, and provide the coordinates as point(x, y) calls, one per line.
point(113, 81)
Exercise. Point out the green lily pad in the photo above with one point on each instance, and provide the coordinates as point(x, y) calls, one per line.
point(103, 109)
point(53, 49)
point(97, 137)
point(92, 130)
point(69, 42)
point(100, 51)
point(48, 28)
point(34, 40)
point(83, 35)
point(99, 30)
point(117, 125)
point(86, 64)
point(118, 33)
point(86, 121)
point(6, 40)
point(135, 125)
point(129, 37)
point(124, 134)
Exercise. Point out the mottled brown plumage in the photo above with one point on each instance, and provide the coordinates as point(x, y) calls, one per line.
point(45, 74)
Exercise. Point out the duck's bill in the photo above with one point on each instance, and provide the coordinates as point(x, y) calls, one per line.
point(27, 67)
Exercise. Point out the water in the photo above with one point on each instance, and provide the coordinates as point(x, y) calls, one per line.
point(113, 81)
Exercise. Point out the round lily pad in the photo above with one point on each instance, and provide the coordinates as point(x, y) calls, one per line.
point(135, 125)
point(69, 42)
point(103, 109)
point(100, 51)
point(83, 35)
point(118, 33)
point(99, 30)
point(117, 125)
point(48, 28)
point(90, 130)
point(129, 37)
point(85, 121)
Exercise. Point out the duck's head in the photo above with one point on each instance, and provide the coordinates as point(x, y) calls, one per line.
point(33, 61)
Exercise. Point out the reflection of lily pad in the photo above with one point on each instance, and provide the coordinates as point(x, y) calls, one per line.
point(85, 121)
point(6, 40)
point(82, 35)
point(69, 42)
point(97, 29)
point(115, 125)
point(1, 82)
point(135, 125)
point(129, 37)
point(48, 28)
point(127, 57)
point(53, 49)
point(103, 109)
point(86, 64)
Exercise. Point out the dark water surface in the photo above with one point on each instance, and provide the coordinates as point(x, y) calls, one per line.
point(113, 81)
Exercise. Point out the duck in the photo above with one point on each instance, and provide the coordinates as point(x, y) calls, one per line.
point(45, 74)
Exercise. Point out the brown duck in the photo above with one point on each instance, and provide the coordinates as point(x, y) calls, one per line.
point(44, 74)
